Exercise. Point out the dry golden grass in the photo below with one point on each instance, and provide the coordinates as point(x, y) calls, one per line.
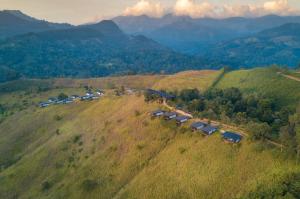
point(136, 81)
point(188, 80)
point(125, 153)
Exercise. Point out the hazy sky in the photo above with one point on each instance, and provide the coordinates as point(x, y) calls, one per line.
point(82, 11)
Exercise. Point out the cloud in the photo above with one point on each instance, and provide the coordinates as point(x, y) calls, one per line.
point(203, 8)
point(206, 9)
point(144, 7)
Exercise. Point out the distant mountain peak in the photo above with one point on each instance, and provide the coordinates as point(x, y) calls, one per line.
point(19, 14)
point(107, 27)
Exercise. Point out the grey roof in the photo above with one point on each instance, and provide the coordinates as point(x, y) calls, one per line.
point(233, 137)
point(182, 118)
point(208, 129)
point(157, 111)
point(169, 114)
point(198, 125)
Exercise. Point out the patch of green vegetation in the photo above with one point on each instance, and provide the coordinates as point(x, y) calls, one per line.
point(266, 82)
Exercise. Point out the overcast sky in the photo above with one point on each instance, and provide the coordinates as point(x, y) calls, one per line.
point(82, 11)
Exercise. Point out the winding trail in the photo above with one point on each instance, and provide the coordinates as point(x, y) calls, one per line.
point(290, 76)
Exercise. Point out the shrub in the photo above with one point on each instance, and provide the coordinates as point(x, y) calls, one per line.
point(46, 185)
point(89, 184)
point(62, 96)
point(140, 146)
point(76, 138)
point(182, 150)
point(58, 117)
point(137, 113)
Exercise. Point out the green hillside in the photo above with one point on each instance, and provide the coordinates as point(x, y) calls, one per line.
point(265, 81)
point(188, 80)
point(111, 148)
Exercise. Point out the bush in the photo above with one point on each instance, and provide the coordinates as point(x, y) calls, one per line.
point(137, 113)
point(46, 185)
point(182, 150)
point(89, 184)
point(58, 117)
point(62, 96)
point(76, 138)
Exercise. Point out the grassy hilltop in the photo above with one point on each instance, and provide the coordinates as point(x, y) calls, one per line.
point(111, 148)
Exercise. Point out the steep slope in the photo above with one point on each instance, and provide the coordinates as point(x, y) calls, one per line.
point(89, 51)
point(266, 82)
point(278, 45)
point(14, 22)
point(111, 148)
point(200, 80)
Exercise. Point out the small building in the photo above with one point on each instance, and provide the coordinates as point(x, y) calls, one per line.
point(44, 104)
point(209, 130)
point(196, 126)
point(157, 113)
point(83, 98)
point(73, 97)
point(100, 92)
point(67, 101)
point(59, 102)
point(182, 119)
point(52, 99)
point(170, 115)
point(232, 137)
point(161, 94)
point(89, 93)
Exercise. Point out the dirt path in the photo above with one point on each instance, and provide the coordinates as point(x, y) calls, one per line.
point(290, 77)
point(219, 124)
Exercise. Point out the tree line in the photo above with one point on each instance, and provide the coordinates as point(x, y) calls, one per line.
point(260, 115)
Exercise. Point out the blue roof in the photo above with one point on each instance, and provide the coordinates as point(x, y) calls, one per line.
point(168, 114)
point(157, 111)
point(234, 137)
point(198, 125)
point(181, 118)
point(208, 129)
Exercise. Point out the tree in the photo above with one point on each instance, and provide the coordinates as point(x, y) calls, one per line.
point(189, 94)
point(62, 96)
point(259, 131)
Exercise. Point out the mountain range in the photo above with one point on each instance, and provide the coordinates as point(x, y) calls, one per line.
point(14, 22)
point(88, 51)
point(193, 36)
point(279, 45)
point(140, 44)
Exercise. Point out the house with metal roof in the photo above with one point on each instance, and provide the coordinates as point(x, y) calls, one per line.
point(100, 92)
point(170, 115)
point(232, 137)
point(44, 104)
point(182, 119)
point(209, 130)
point(157, 113)
point(161, 94)
point(196, 126)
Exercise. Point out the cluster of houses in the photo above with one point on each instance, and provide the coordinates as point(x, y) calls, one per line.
point(204, 128)
point(89, 96)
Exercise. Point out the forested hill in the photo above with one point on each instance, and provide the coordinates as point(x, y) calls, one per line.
point(88, 51)
point(14, 22)
point(278, 45)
